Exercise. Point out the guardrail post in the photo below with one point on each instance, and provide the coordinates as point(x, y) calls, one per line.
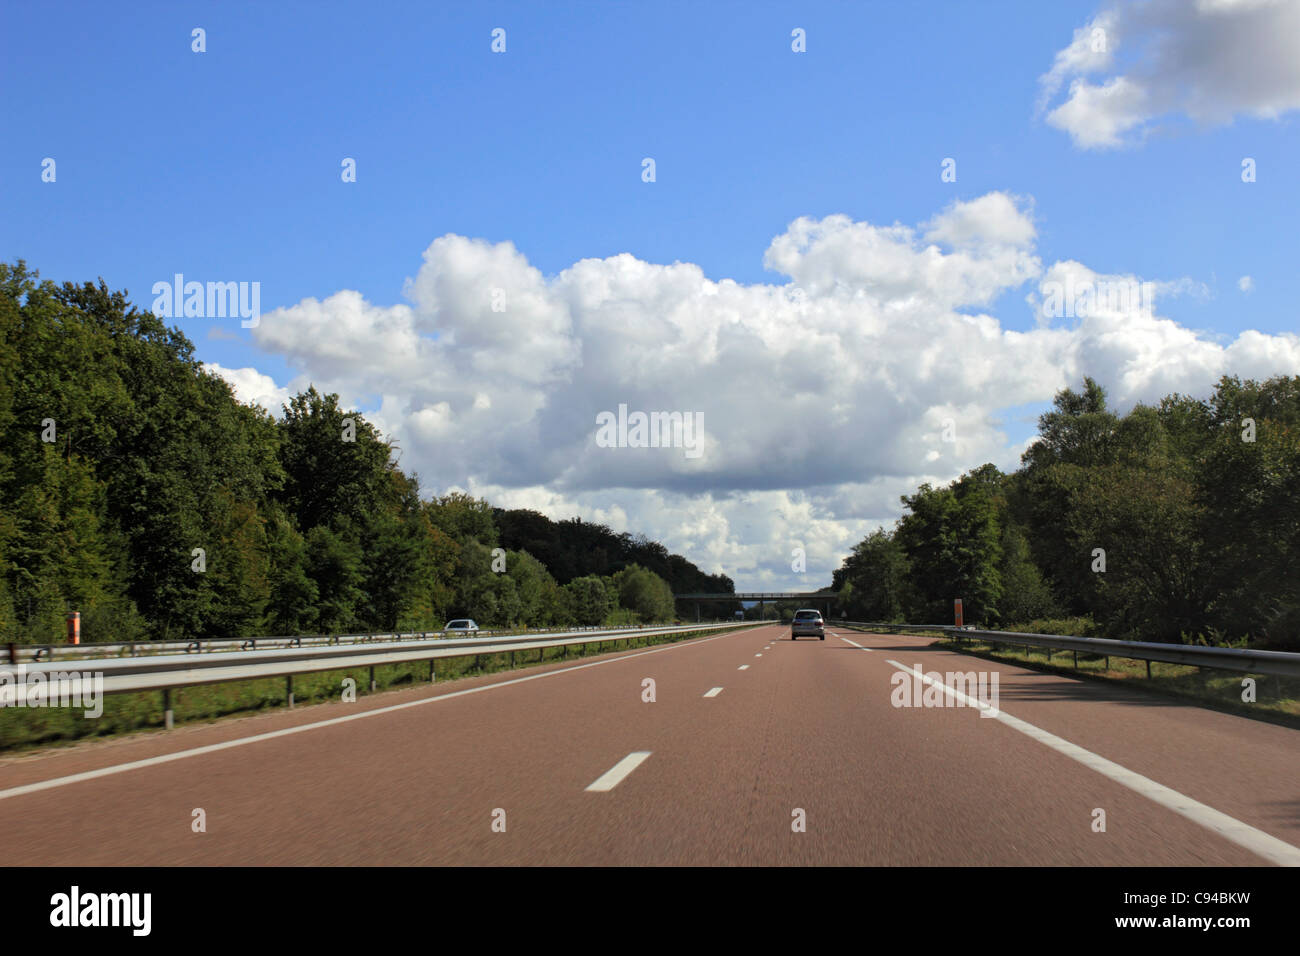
point(1107, 662)
point(1148, 670)
point(433, 674)
point(1076, 660)
point(13, 652)
point(512, 660)
point(168, 716)
point(288, 688)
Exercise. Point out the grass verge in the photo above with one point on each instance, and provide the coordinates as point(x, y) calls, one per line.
point(1277, 699)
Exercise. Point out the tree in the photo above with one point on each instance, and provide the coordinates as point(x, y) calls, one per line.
point(952, 540)
point(1248, 485)
point(292, 603)
point(334, 567)
point(644, 593)
point(1077, 435)
point(589, 599)
point(463, 517)
point(1025, 595)
point(872, 583)
point(539, 596)
point(335, 463)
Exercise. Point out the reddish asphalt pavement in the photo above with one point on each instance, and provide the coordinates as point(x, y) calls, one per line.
point(807, 726)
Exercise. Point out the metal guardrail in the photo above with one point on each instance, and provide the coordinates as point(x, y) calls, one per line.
point(1241, 660)
point(36, 653)
point(165, 672)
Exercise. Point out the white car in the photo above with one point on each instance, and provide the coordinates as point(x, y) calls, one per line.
point(461, 627)
point(807, 622)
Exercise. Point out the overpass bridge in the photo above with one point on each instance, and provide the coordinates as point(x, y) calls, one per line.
point(806, 599)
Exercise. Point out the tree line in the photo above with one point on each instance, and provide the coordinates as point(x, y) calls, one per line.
point(1175, 522)
point(136, 489)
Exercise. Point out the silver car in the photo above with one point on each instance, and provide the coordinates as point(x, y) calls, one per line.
point(807, 623)
point(462, 627)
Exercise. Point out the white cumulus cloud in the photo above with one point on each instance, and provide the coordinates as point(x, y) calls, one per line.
point(869, 365)
point(1136, 65)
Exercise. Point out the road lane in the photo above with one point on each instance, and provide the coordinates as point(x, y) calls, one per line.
point(809, 728)
point(1246, 768)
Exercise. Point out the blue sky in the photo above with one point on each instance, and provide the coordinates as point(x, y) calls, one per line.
point(225, 165)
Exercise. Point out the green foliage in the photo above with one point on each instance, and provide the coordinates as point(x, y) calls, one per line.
point(1025, 595)
point(952, 541)
point(462, 517)
point(1081, 626)
point(873, 582)
point(589, 600)
point(575, 548)
point(1194, 505)
point(644, 593)
point(335, 464)
point(539, 595)
point(333, 563)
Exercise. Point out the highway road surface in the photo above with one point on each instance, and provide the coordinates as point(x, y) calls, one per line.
point(756, 750)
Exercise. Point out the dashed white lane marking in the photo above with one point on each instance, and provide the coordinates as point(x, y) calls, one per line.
point(743, 667)
point(1242, 834)
point(758, 655)
point(854, 643)
point(612, 777)
point(713, 693)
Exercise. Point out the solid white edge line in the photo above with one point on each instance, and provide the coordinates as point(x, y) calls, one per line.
point(54, 782)
point(612, 777)
point(1230, 828)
